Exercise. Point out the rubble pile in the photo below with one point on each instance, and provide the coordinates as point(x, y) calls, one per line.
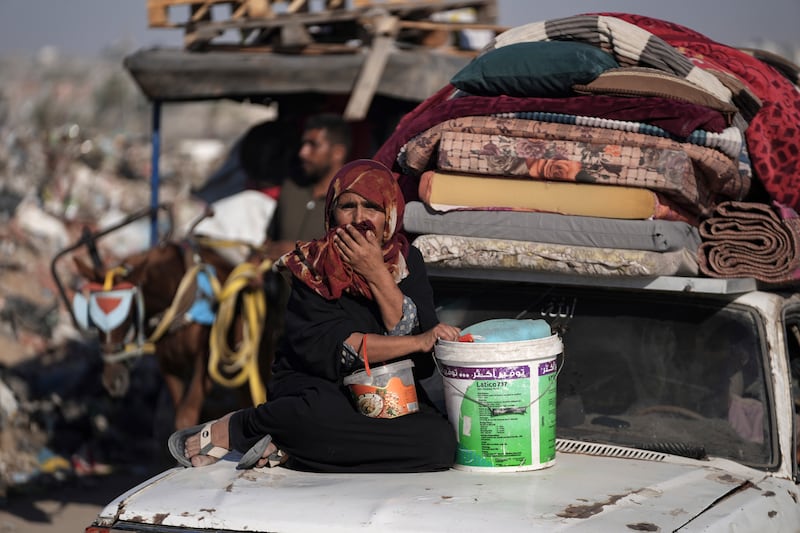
point(48, 194)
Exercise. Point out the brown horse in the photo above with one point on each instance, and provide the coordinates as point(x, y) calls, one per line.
point(142, 307)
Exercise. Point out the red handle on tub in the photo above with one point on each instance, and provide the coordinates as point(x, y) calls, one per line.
point(364, 354)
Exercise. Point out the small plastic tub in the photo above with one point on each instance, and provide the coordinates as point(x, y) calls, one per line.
point(388, 393)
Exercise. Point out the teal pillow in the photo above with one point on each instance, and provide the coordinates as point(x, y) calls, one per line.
point(536, 69)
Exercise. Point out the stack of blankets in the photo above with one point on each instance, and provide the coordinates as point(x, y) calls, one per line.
point(609, 145)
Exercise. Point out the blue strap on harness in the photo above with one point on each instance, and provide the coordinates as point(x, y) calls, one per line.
point(202, 311)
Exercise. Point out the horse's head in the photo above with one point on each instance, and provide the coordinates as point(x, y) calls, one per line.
point(119, 304)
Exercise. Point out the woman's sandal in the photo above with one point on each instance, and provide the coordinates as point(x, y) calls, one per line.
point(277, 458)
point(177, 442)
point(251, 457)
point(254, 454)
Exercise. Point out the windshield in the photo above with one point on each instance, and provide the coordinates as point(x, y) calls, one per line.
point(673, 373)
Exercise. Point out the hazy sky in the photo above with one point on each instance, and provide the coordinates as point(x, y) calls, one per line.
point(86, 26)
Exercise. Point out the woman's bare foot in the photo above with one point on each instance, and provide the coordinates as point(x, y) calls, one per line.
point(203, 460)
point(219, 437)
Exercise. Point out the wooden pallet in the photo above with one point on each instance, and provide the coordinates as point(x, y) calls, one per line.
point(288, 26)
point(201, 11)
point(158, 9)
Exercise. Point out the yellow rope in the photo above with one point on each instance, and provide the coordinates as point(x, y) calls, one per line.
point(183, 300)
point(108, 283)
point(242, 362)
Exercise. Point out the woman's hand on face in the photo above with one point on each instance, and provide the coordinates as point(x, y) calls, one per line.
point(440, 331)
point(362, 252)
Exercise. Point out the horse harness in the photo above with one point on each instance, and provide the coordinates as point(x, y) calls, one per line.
point(107, 307)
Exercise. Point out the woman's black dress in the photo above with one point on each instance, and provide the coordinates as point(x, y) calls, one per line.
point(309, 413)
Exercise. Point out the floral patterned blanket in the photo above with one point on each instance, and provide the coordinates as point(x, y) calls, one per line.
point(664, 170)
point(695, 177)
point(679, 119)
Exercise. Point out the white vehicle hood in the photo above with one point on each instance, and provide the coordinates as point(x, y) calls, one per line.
point(578, 493)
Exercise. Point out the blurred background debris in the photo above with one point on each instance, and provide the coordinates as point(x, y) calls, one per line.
point(75, 153)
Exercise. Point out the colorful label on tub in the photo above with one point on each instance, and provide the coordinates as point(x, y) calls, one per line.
point(506, 414)
point(391, 401)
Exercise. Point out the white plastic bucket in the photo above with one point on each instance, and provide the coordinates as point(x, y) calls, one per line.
point(501, 400)
point(388, 392)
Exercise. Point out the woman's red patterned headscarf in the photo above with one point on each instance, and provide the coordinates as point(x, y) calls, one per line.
point(318, 264)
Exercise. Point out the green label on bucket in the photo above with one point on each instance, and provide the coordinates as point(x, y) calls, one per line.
point(497, 439)
point(506, 416)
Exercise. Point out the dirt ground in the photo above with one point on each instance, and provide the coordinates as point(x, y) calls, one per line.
point(67, 507)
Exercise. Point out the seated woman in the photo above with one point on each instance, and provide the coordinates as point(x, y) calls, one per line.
point(360, 292)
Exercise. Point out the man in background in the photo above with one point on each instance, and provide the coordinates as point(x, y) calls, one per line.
point(324, 149)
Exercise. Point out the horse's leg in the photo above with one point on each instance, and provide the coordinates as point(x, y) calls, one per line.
point(175, 387)
point(177, 354)
point(172, 380)
point(187, 412)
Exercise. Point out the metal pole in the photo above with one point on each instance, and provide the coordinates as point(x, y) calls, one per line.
point(154, 175)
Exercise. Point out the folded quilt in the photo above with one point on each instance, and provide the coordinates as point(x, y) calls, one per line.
point(652, 235)
point(680, 119)
point(717, 176)
point(745, 239)
point(455, 251)
point(628, 43)
point(449, 191)
point(659, 169)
